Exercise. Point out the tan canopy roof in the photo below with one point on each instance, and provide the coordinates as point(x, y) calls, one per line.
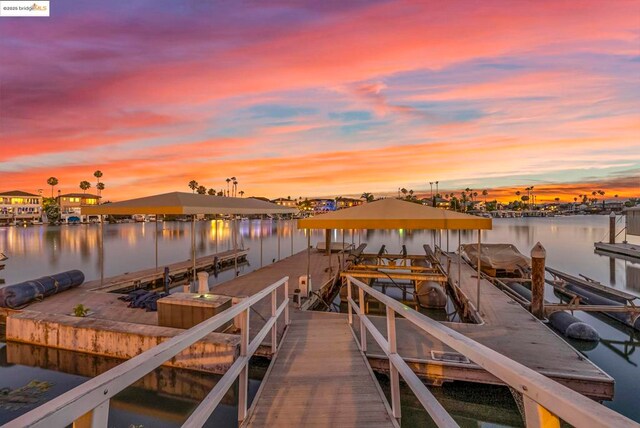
point(394, 214)
point(187, 203)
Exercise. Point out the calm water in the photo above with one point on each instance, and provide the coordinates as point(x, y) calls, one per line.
point(42, 250)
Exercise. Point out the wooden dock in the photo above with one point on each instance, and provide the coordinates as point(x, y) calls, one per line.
point(320, 378)
point(154, 276)
point(622, 248)
point(508, 329)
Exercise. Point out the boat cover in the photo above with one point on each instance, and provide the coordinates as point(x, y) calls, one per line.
point(497, 256)
point(18, 295)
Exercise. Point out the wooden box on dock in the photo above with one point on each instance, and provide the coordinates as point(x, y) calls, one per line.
point(185, 310)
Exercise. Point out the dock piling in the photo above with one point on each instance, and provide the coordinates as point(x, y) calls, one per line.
point(538, 256)
point(612, 228)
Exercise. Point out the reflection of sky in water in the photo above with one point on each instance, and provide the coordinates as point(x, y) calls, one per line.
point(42, 250)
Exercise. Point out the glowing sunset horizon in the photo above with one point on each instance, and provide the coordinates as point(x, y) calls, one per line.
point(324, 99)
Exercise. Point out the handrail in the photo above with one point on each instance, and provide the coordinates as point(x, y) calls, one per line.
point(94, 395)
point(544, 399)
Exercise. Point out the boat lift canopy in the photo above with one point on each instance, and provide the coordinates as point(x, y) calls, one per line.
point(398, 214)
point(182, 203)
point(395, 214)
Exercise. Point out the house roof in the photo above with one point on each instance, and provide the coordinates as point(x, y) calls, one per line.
point(80, 195)
point(180, 203)
point(394, 214)
point(18, 193)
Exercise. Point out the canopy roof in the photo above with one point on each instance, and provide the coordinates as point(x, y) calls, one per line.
point(177, 203)
point(394, 214)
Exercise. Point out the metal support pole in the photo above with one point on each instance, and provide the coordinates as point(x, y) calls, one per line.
point(393, 371)
point(363, 329)
point(215, 234)
point(193, 247)
point(459, 258)
point(327, 242)
point(291, 229)
point(261, 239)
point(101, 250)
point(538, 255)
point(308, 258)
point(278, 233)
point(479, 263)
point(447, 240)
point(156, 239)
point(342, 262)
point(243, 378)
point(235, 244)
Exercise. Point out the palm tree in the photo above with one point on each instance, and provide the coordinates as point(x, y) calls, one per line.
point(193, 185)
point(241, 193)
point(228, 180)
point(211, 192)
point(52, 181)
point(201, 190)
point(485, 193)
point(85, 185)
point(100, 187)
point(97, 174)
point(234, 182)
point(368, 197)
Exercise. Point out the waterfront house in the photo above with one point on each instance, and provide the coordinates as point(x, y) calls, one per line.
point(286, 202)
point(320, 205)
point(347, 202)
point(19, 206)
point(71, 204)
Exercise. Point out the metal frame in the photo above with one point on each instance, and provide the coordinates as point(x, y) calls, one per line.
point(94, 395)
point(546, 401)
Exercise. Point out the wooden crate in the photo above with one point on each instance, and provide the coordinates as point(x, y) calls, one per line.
point(185, 310)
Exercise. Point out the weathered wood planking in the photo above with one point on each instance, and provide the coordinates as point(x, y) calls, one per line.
point(509, 329)
point(319, 378)
point(293, 267)
point(147, 276)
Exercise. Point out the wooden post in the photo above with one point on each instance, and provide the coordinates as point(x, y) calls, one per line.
point(156, 239)
point(278, 233)
point(286, 308)
point(349, 297)
point(393, 371)
point(363, 328)
point(612, 228)
point(243, 379)
point(274, 329)
point(291, 229)
point(538, 416)
point(261, 241)
point(538, 255)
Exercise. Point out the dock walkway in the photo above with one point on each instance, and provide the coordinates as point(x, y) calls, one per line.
point(320, 378)
point(508, 329)
point(155, 275)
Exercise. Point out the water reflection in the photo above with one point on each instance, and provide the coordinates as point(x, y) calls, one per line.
point(163, 398)
point(42, 250)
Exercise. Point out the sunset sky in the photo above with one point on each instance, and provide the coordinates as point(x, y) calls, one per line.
point(329, 98)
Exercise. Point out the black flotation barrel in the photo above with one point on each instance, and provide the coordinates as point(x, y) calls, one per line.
point(18, 295)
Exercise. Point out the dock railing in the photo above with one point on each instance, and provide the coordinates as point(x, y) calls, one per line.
point(545, 401)
point(91, 399)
